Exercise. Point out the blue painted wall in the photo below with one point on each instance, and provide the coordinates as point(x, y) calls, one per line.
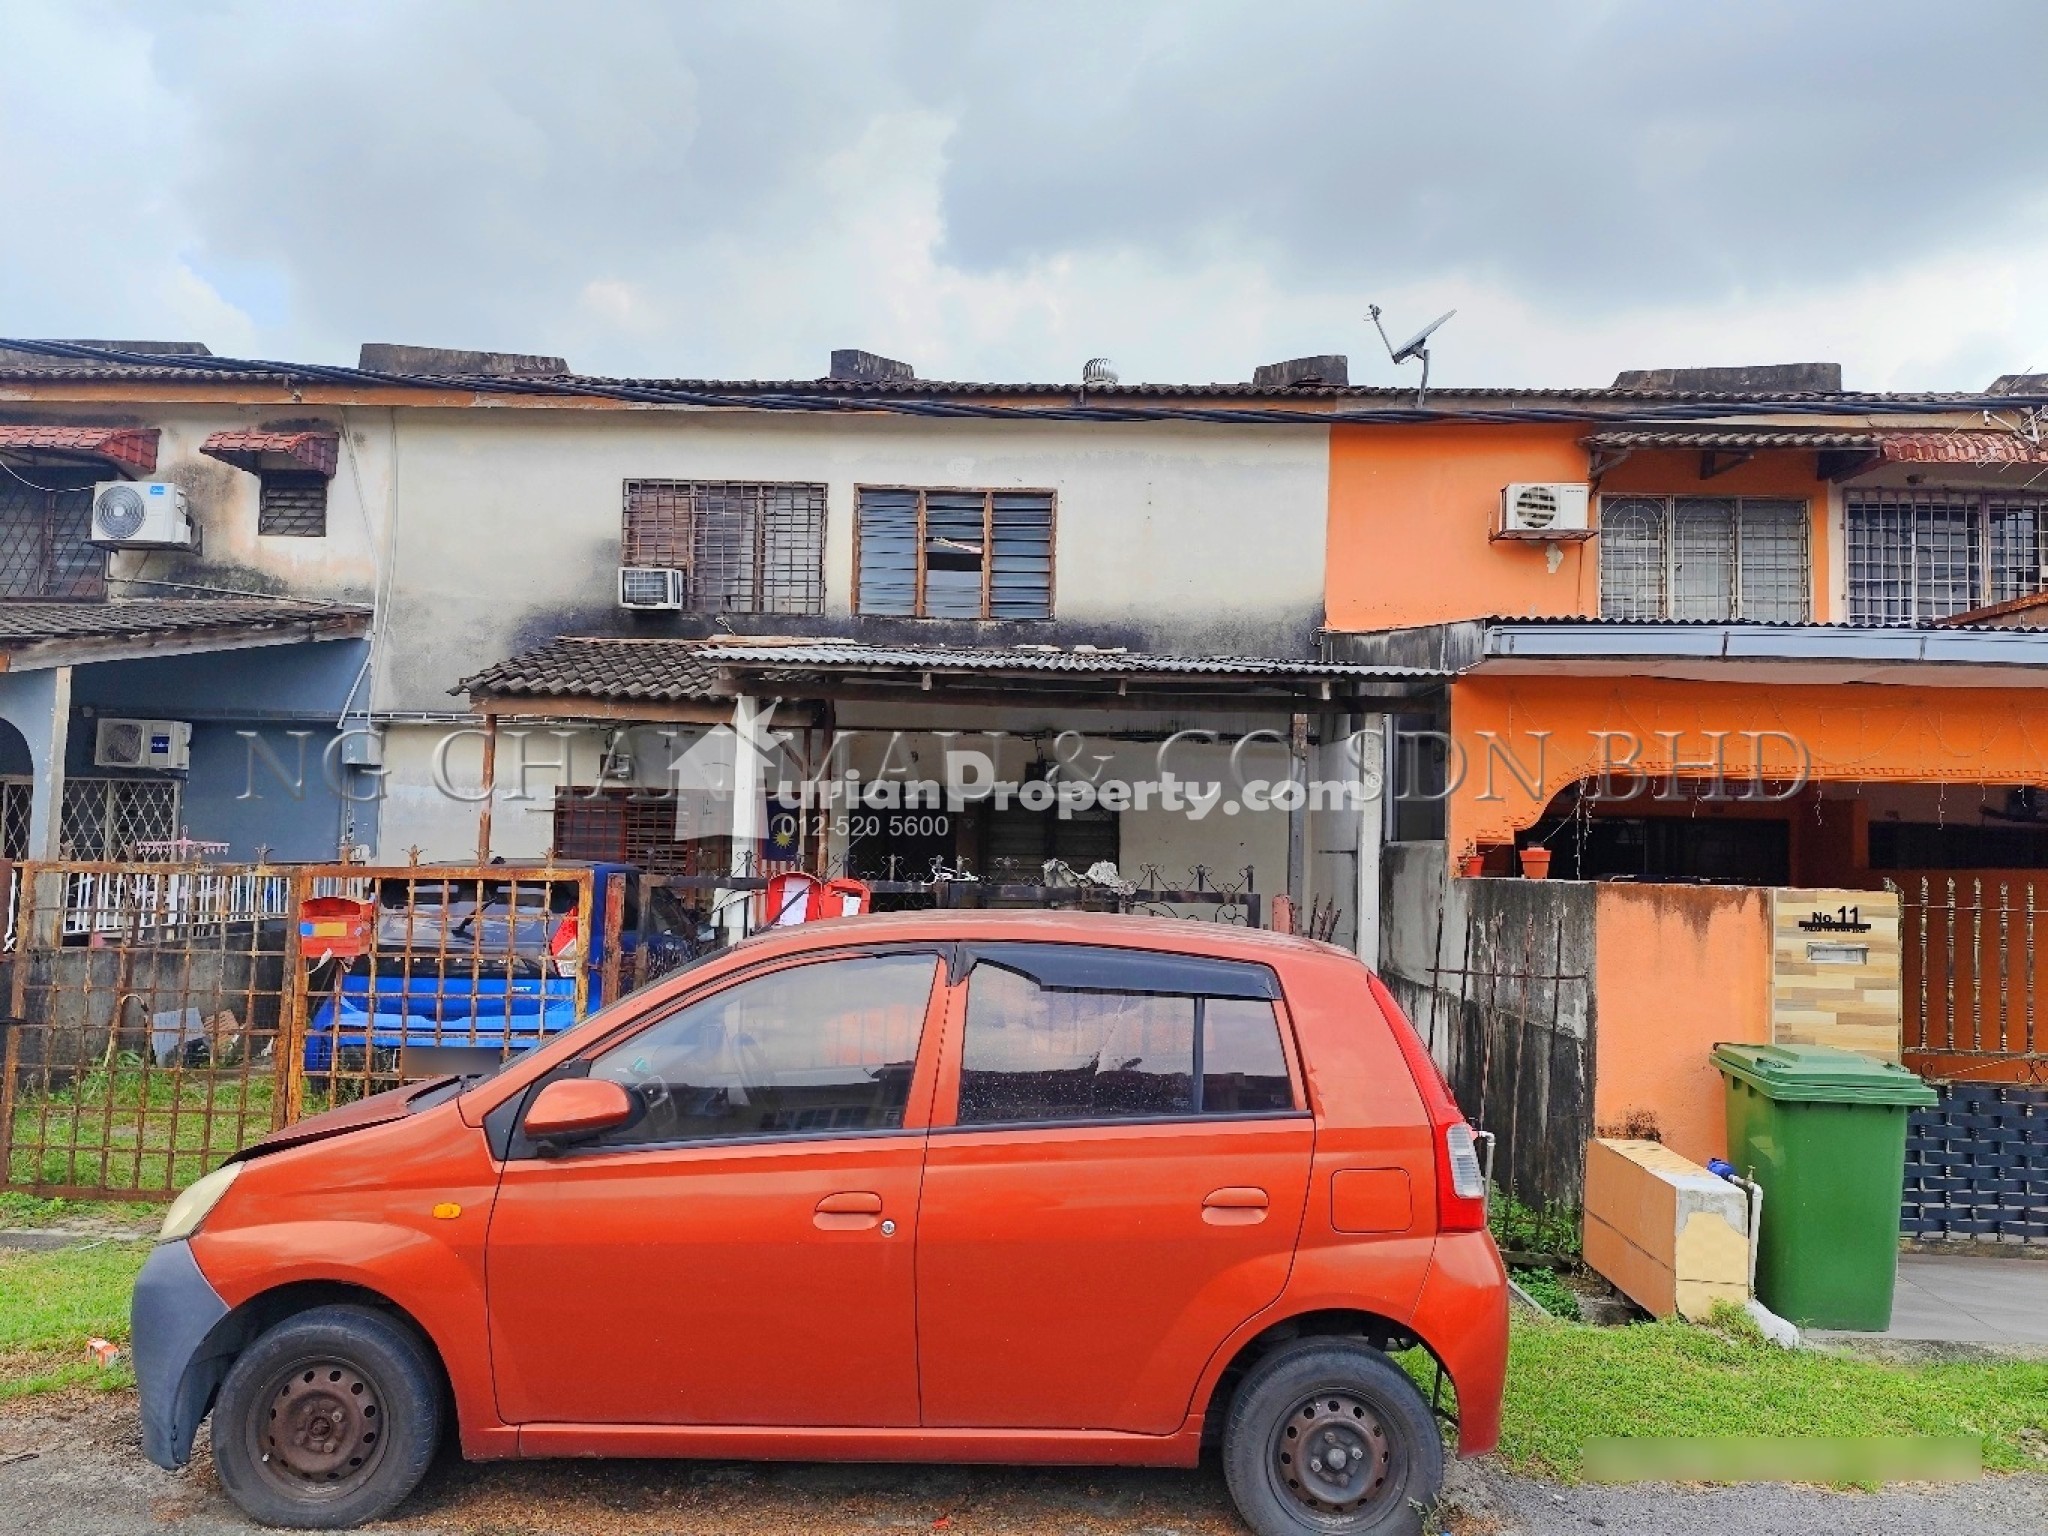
point(230, 797)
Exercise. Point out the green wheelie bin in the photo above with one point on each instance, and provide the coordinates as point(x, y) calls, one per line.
point(1824, 1132)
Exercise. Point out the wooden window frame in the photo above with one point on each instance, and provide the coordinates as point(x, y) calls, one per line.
point(988, 495)
point(773, 589)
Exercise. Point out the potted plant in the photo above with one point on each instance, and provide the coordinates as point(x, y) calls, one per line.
point(1536, 863)
point(1472, 865)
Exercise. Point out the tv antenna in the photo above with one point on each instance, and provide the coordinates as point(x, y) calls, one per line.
point(1415, 346)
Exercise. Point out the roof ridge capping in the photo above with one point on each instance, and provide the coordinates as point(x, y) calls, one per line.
point(454, 362)
point(1745, 379)
point(16, 356)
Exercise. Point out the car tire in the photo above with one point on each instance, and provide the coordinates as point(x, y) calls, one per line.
point(329, 1419)
point(1328, 1437)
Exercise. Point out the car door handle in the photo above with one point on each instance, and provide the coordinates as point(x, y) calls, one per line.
point(850, 1210)
point(1235, 1206)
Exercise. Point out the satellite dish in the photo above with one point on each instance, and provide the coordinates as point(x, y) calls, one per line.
point(1415, 346)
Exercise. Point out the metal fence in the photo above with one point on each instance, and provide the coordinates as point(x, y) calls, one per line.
point(417, 971)
point(162, 1015)
point(1500, 989)
point(146, 1007)
point(1975, 977)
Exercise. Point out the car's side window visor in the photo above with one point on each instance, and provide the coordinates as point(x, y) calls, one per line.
point(1090, 968)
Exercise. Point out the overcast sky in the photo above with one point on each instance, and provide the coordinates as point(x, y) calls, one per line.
point(1002, 191)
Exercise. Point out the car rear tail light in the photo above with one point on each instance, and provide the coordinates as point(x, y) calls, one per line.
point(1468, 1182)
point(1460, 1175)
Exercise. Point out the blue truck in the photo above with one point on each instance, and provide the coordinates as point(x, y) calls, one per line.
point(461, 973)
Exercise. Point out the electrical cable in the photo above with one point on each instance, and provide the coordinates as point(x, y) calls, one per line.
point(52, 490)
point(1646, 407)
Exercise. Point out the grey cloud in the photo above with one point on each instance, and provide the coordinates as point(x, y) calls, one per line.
point(1602, 153)
point(464, 172)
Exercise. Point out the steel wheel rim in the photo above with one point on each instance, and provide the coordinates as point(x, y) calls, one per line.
point(1332, 1457)
point(319, 1431)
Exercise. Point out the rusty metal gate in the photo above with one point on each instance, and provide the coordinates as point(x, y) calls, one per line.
point(161, 1015)
point(1975, 977)
point(146, 1008)
point(417, 971)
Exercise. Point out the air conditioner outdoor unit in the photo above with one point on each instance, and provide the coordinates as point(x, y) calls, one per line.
point(651, 587)
point(140, 514)
point(142, 744)
point(1543, 510)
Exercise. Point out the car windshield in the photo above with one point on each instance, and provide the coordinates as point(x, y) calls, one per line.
point(486, 917)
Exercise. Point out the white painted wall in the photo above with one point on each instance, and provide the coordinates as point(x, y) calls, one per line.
point(1174, 536)
point(223, 501)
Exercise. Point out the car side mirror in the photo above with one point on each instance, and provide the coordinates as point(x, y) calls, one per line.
point(570, 1108)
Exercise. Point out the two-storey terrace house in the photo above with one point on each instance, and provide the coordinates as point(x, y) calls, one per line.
point(1091, 580)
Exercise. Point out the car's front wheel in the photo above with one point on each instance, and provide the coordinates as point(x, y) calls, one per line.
point(1328, 1437)
point(328, 1419)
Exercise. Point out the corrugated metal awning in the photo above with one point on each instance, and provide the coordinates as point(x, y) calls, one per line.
point(604, 669)
point(1728, 439)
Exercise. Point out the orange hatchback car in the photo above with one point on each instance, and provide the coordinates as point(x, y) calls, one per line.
point(994, 1187)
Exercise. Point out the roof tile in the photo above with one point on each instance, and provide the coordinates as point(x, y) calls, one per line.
point(132, 448)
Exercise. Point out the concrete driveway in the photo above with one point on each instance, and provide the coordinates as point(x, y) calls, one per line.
point(72, 1468)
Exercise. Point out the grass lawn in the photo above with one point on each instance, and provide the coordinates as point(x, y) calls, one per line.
point(1569, 1383)
point(51, 1303)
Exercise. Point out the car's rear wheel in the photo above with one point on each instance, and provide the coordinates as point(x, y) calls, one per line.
point(328, 1419)
point(1328, 1436)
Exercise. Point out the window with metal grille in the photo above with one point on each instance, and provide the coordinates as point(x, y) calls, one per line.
point(634, 827)
point(106, 818)
point(745, 548)
point(292, 504)
point(1704, 557)
point(17, 799)
point(1918, 555)
point(954, 554)
point(46, 549)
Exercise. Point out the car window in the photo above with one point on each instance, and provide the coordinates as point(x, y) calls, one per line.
point(828, 1046)
point(477, 917)
point(1244, 1070)
point(1036, 1053)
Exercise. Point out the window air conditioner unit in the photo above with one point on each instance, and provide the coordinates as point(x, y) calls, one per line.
point(140, 514)
point(653, 587)
point(142, 744)
point(1543, 510)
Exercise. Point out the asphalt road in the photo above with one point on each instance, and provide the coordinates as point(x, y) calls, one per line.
point(71, 1467)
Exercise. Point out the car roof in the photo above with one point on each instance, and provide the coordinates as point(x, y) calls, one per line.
point(1183, 935)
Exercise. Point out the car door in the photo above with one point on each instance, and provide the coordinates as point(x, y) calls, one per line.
point(1114, 1181)
point(741, 1253)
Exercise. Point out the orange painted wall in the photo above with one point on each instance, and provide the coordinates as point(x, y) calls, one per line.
point(1411, 510)
point(1677, 969)
point(1852, 732)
